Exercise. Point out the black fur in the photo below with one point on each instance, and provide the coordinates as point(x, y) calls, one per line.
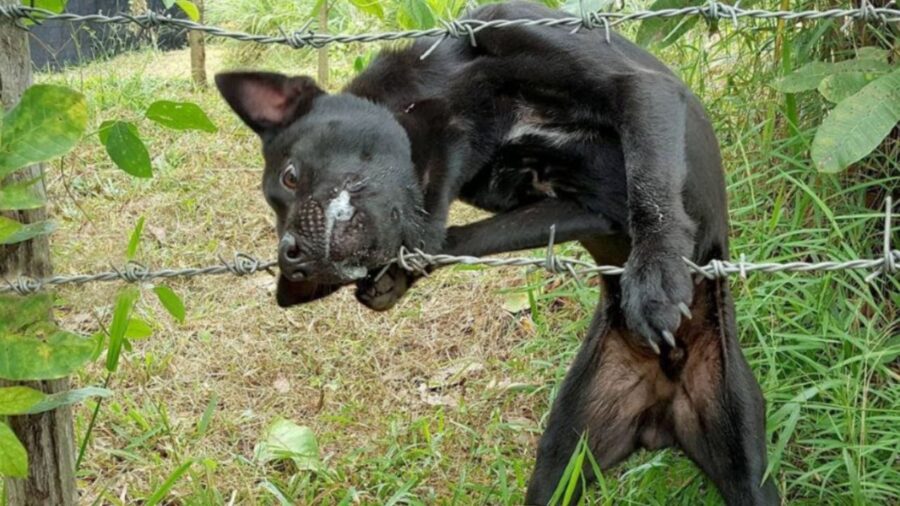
point(545, 128)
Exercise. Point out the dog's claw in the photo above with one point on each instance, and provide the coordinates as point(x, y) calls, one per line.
point(685, 310)
point(653, 346)
point(670, 339)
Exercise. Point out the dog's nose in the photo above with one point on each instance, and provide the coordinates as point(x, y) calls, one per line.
point(290, 260)
point(288, 248)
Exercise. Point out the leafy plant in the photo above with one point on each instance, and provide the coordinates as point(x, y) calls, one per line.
point(866, 94)
point(33, 348)
point(47, 123)
point(123, 142)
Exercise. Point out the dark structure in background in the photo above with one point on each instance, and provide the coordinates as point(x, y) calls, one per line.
point(56, 44)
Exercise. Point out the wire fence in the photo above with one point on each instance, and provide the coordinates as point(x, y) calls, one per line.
point(244, 264)
point(460, 28)
point(418, 261)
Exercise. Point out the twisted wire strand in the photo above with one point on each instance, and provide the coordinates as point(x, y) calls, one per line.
point(417, 261)
point(244, 264)
point(462, 28)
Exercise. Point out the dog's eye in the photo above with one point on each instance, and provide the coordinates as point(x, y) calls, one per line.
point(289, 177)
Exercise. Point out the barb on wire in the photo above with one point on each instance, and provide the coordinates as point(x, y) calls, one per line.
point(419, 261)
point(461, 28)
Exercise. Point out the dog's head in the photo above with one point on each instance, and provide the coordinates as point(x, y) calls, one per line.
point(339, 175)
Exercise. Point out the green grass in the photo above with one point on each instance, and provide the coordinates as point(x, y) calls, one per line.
point(194, 400)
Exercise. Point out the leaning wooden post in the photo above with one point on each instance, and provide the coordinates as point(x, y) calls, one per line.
point(198, 51)
point(48, 436)
point(323, 51)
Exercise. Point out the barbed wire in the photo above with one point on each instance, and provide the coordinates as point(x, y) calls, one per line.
point(244, 264)
point(418, 261)
point(460, 28)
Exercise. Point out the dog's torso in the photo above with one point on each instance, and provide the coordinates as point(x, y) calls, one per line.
point(535, 118)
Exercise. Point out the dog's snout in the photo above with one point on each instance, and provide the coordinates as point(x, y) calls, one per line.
point(330, 238)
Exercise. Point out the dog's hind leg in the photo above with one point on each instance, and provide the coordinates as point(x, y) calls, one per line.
point(610, 396)
point(718, 410)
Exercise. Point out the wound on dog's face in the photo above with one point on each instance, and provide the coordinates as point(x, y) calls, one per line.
point(338, 172)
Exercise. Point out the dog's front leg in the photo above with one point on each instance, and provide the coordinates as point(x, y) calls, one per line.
point(523, 228)
point(656, 284)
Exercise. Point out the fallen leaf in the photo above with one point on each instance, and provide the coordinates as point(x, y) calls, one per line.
point(516, 302)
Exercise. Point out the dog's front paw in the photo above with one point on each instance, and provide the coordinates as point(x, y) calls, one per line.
point(381, 293)
point(656, 292)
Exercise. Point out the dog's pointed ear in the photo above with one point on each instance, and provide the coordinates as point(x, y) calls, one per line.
point(267, 101)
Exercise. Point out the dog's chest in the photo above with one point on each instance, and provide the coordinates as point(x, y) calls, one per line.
point(532, 126)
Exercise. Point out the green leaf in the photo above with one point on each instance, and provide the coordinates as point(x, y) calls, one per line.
point(371, 7)
point(171, 301)
point(20, 195)
point(135, 239)
point(189, 8)
point(206, 419)
point(837, 87)
point(125, 147)
point(56, 6)
point(180, 116)
point(810, 75)
point(119, 326)
point(43, 351)
point(415, 15)
point(8, 227)
point(516, 302)
point(47, 122)
point(18, 313)
point(286, 440)
point(359, 64)
point(661, 32)
point(67, 398)
point(858, 124)
point(168, 3)
point(316, 8)
point(138, 329)
point(18, 400)
point(167, 485)
point(13, 457)
point(22, 233)
point(362, 61)
point(872, 53)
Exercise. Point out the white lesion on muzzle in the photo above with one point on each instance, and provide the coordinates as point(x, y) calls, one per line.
point(339, 209)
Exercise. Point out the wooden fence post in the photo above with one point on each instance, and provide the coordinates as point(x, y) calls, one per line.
point(323, 51)
point(198, 51)
point(48, 437)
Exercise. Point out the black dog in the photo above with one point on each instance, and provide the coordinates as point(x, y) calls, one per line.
point(545, 128)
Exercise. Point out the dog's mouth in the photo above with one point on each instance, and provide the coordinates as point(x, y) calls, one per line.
point(293, 290)
point(343, 272)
